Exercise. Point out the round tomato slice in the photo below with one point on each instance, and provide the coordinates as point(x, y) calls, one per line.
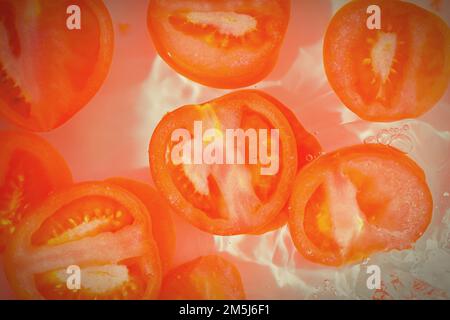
point(223, 44)
point(48, 72)
point(160, 213)
point(101, 228)
point(227, 165)
point(356, 201)
point(30, 168)
point(398, 71)
point(205, 278)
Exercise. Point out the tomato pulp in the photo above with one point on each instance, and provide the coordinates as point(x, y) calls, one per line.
point(205, 278)
point(358, 200)
point(160, 213)
point(223, 44)
point(103, 229)
point(48, 72)
point(398, 71)
point(30, 169)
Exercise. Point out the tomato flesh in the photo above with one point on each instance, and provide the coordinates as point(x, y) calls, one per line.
point(359, 200)
point(120, 281)
point(227, 197)
point(78, 220)
point(162, 225)
point(224, 44)
point(396, 72)
point(46, 76)
point(207, 187)
point(205, 278)
point(30, 169)
point(103, 229)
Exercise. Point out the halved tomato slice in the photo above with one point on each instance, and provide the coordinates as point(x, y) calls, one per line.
point(358, 200)
point(47, 71)
point(30, 168)
point(205, 278)
point(219, 43)
point(396, 72)
point(103, 229)
point(160, 213)
point(242, 176)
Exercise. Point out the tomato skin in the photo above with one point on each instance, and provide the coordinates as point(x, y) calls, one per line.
point(41, 168)
point(224, 106)
point(162, 225)
point(384, 227)
point(308, 148)
point(24, 258)
point(241, 65)
point(46, 76)
point(417, 74)
point(205, 278)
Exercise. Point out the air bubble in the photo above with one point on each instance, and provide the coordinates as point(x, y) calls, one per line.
point(403, 143)
point(370, 139)
point(394, 130)
point(309, 157)
point(384, 137)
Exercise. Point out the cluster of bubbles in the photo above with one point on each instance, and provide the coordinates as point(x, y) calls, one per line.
point(395, 137)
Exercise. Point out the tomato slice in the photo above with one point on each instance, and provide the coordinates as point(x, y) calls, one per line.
point(399, 71)
point(160, 212)
point(205, 278)
point(356, 201)
point(48, 72)
point(219, 43)
point(103, 229)
point(228, 197)
point(30, 168)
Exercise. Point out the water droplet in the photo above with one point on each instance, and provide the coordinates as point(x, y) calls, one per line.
point(446, 194)
point(384, 137)
point(403, 143)
point(405, 127)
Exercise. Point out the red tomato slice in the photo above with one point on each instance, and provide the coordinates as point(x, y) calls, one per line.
point(397, 72)
point(103, 229)
point(358, 200)
point(30, 168)
point(205, 278)
point(228, 198)
point(160, 213)
point(48, 72)
point(219, 43)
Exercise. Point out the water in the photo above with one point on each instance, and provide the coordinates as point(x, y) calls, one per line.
point(421, 272)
